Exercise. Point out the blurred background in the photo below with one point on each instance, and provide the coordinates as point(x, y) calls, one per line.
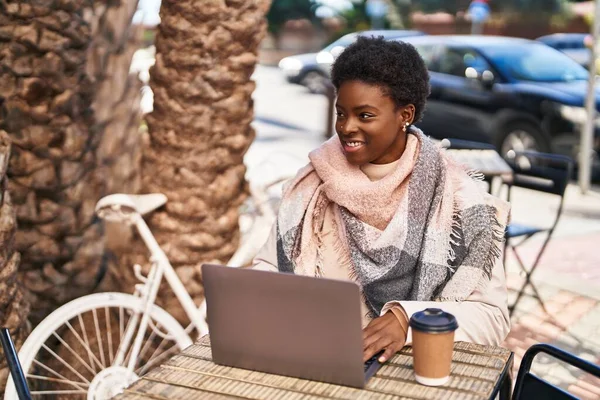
point(545, 73)
point(212, 103)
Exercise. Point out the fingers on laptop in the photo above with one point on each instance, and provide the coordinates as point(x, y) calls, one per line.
point(375, 347)
point(383, 333)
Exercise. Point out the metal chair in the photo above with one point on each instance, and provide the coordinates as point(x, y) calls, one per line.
point(530, 387)
point(14, 366)
point(548, 173)
point(461, 144)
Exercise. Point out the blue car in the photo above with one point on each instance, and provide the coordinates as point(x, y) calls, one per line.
point(572, 44)
point(516, 94)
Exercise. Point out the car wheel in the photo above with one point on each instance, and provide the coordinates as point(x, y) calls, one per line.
point(315, 82)
point(523, 137)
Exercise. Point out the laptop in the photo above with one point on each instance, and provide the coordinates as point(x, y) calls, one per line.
point(286, 324)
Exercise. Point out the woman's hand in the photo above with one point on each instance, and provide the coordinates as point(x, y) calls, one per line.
point(384, 332)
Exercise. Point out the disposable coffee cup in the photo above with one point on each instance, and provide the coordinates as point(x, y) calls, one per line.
point(433, 342)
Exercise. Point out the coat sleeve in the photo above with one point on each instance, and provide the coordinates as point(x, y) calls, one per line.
point(266, 259)
point(482, 318)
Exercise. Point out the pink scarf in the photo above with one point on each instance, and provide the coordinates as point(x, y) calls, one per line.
point(426, 231)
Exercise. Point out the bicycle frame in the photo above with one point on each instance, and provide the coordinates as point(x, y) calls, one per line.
point(160, 266)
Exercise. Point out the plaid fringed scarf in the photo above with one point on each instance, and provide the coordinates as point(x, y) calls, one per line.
point(426, 231)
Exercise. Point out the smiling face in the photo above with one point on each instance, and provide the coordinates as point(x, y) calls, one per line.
point(369, 124)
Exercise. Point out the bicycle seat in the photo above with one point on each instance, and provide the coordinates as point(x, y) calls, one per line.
point(122, 204)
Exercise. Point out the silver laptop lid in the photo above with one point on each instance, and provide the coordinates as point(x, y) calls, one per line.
point(285, 324)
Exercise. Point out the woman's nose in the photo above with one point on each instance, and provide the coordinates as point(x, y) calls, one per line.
point(346, 127)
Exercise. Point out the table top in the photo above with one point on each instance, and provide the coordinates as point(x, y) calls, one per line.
point(486, 161)
point(476, 373)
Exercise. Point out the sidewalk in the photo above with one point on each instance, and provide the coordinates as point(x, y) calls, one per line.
point(568, 279)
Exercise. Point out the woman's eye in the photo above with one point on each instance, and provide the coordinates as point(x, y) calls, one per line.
point(339, 114)
point(366, 115)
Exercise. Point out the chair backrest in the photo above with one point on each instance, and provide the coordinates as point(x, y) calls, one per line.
point(14, 366)
point(461, 144)
point(529, 386)
point(549, 173)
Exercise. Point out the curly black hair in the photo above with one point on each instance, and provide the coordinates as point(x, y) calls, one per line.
point(395, 66)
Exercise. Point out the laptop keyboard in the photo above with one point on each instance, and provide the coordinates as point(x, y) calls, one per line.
point(370, 361)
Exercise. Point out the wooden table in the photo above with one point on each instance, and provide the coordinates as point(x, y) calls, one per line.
point(478, 372)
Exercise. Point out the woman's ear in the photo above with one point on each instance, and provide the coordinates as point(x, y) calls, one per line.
point(407, 114)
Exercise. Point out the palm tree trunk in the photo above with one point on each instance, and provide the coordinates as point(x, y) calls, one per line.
point(13, 305)
point(69, 106)
point(199, 132)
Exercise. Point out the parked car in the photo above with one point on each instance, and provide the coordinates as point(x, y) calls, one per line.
point(312, 69)
point(303, 69)
point(516, 94)
point(572, 44)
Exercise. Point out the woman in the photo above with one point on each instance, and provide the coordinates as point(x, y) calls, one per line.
point(382, 205)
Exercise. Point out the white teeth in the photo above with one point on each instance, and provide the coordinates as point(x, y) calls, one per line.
point(353, 144)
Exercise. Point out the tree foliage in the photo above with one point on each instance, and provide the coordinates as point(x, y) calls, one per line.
point(285, 10)
point(453, 6)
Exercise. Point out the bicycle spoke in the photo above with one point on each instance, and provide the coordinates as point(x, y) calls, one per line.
point(66, 381)
point(74, 353)
point(128, 355)
point(153, 360)
point(66, 364)
point(85, 345)
point(149, 342)
point(53, 372)
point(159, 347)
point(109, 335)
point(87, 342)
point(121, 327)
point(100, 347)
point(58, 392)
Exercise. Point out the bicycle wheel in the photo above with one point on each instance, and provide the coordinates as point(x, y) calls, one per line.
point(71, 353)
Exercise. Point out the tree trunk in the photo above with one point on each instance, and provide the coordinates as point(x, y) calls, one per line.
point(199, 131)
point(72, 111)
point(13, 305)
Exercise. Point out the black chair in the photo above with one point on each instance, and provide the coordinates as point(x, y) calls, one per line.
point(548, 173)
point(530, 387)
point(13, 365)
point(461, 144)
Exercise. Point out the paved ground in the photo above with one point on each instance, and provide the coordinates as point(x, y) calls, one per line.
point(290, 122)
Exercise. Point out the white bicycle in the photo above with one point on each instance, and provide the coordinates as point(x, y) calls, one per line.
point(95, 346)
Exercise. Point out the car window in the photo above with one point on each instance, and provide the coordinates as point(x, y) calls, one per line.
point(534, 62)
point(428, 53)
point(462, 62)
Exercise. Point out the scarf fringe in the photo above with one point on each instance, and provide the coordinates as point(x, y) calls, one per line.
point(475, 175)
point(342, 250)
point(318, 217)
point(455, 238)
point(496, 248)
